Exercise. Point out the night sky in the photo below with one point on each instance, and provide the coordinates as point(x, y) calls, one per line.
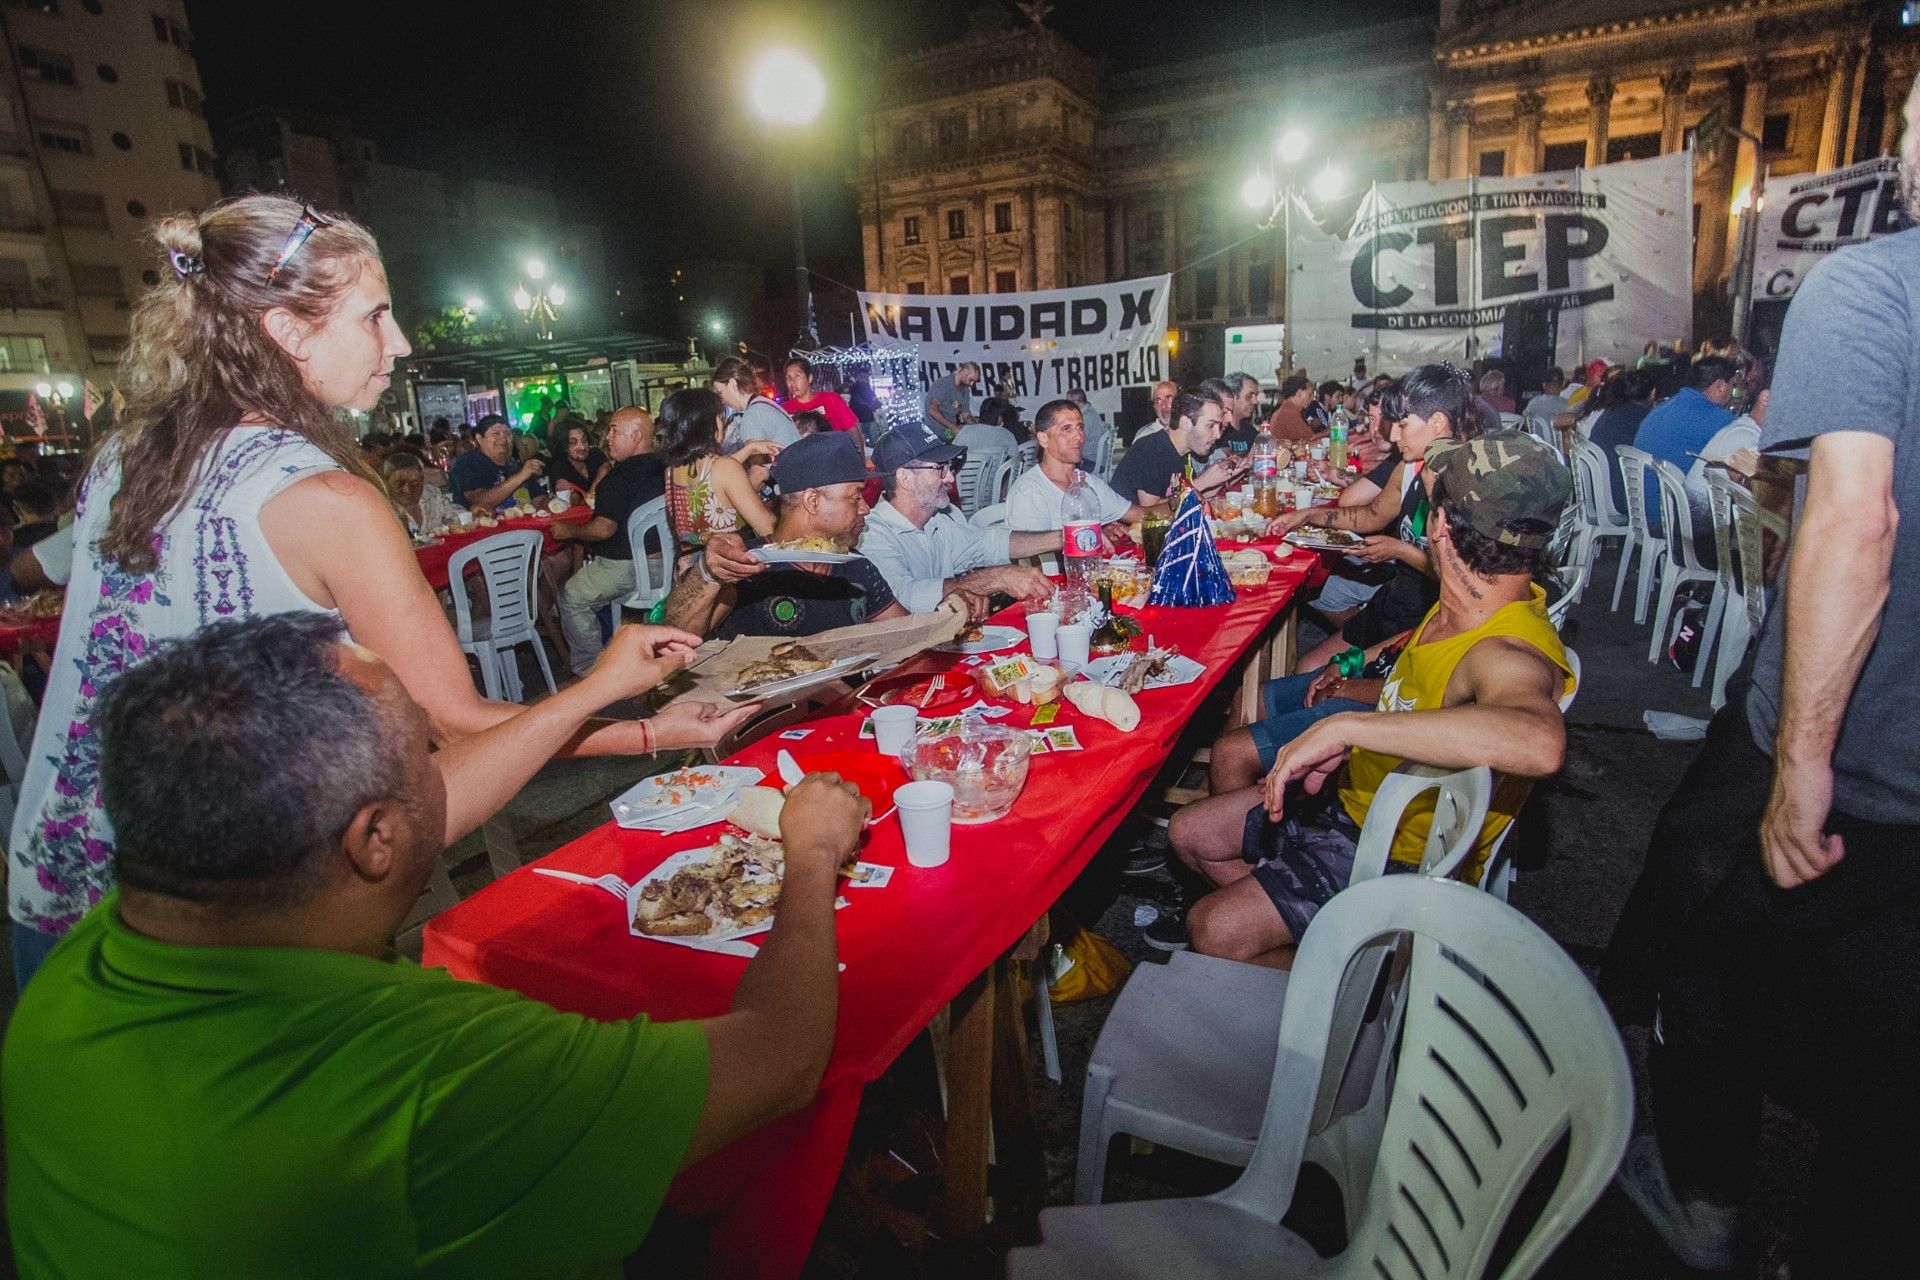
point(632, 111)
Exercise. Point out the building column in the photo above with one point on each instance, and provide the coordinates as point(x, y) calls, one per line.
point(870, 232)
point(1674, 83)
point(1033, 240)
point(1856, 89)
point(1436, 136)
point(1833, 120)
point(1599, 117)
point(1117, 266)
point(1459, 139)
point(1527, 105)
point(1897, 87)
point(982, 282)
point(1746, 163)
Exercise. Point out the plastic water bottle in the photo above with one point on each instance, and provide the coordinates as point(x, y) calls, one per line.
point(1080, 536)
point(1337, 442)
point(1266, 477)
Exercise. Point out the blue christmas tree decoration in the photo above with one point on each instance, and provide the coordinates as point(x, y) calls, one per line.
point(1189, 574)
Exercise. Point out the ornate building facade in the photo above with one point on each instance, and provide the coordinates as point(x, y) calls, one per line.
point(1008, 160)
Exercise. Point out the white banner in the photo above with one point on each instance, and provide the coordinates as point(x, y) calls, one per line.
point(1430, 269)
point(1033, 347)
point(1807, 217)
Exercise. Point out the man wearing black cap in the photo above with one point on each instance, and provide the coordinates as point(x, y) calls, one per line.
point(925, 551)
point(821, 481)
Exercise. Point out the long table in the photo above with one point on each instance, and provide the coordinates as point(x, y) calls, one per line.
point(434, 556)
point(909, 949)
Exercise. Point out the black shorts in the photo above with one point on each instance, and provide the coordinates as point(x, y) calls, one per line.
point(1305, 858)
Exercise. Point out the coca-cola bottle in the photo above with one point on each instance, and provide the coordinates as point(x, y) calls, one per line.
point(1080, 539)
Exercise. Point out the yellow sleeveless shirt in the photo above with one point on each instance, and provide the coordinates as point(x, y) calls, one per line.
point(1419, 683)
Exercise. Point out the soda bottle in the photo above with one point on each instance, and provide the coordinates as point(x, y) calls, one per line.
point(1080, 534)
point(1337, 442)
point(1266, 477)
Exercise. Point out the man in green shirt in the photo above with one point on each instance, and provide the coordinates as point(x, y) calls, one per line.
point(223, 1071)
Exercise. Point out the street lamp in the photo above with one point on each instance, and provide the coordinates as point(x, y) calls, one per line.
point(536, 269)
point(1276, 193)
point(475, 304)
point(1329, 183)
point(539, 306)
point(787, 92)
point(1293, 145)
point(717, 327)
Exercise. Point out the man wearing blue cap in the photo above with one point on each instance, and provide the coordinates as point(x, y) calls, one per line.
point(821, 481)
point(926, 551)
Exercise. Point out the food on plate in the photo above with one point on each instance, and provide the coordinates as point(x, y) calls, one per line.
point(1144, 667)
point(735, 887)
point(1314, 535)
point(783, 663)
point(827, 545)
point(1115, 706)
point(1246, 567)
point(756, 810)
point(971, 635)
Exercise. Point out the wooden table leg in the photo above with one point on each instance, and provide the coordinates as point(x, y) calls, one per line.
point(1017, 1145)
point(1283, 651)
point(970, 1051)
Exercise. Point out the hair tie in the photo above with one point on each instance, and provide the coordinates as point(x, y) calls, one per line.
point(185, 264)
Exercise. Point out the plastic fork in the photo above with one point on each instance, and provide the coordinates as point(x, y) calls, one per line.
point(611, 883)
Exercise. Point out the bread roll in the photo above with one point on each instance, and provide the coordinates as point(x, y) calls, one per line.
point(757, 811)
point(1118, 709)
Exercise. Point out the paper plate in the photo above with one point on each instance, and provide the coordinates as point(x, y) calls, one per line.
point(770, 555)
point(992, 640)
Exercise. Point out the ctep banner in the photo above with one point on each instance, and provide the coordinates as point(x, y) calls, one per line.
point(1429, 269)
point(1807, 217)
point(1033, 347)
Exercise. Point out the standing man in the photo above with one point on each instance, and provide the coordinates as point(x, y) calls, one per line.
point(801, 397)
point(1163, 394)
point(1147, 473)
point(1777, 923)
point(635, 479)
point(486, 478)
point(754, 415)
point(926, 552)
point(1038, 498)
point(950, 399)
point(1289, 424)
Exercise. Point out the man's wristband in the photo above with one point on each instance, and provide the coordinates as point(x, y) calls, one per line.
point(706, 574)
point(1351, 662)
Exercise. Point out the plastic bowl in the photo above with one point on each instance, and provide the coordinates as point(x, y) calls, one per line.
point(985, 764)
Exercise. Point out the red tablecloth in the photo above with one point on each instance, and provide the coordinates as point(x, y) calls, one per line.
point(433, 558)
point(908, 948)
point(46, 630)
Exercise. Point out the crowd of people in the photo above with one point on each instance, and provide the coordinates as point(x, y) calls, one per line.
point(262, 733)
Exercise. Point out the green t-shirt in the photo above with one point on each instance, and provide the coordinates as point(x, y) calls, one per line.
point(210, 1112)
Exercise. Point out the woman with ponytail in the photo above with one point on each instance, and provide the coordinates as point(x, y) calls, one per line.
point(230, 487)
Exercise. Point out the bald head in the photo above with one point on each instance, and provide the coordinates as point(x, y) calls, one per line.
point(629, 431)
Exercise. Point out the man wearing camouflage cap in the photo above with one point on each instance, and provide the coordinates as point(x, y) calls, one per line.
point(1486, 671)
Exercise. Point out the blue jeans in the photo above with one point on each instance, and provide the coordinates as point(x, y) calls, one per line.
point(1284, 701)
point(30, 947)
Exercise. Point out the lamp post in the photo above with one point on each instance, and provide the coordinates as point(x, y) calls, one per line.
point(1746, 206)
point(787, 92)
point(1274, 192)
point(539, 306)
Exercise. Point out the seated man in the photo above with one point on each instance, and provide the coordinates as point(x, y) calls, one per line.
point(223, 1070)
point(1482, 677)
point(821, 481)
point(1038, 499)
point(636, 478)
point(925, 551)
point(1148, 472)
point(487, 478)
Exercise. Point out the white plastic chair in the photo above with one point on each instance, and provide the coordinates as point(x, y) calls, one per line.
point(1679, 562)
point(1600, 519)
point(1098, 460)
point(506, 562)
point(1504, 1052)
point(976, 476)
point(1183, 1059)
point(1513, 421)
point(1498, 875)
point(1025, 458)
point(1643, 541)
point(993, 517)
point(1543, 430)
point(13, 765)
point(648, 528)
point(1747, 598)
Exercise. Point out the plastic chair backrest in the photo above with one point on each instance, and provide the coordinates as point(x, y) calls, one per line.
point(1504, 1050)
point(1591, 475)
point(1025, 458)
point(506, 562)
point(1513, 420)
point(1751, 522)
point(1099, 461)
point(1459, 811)
point(1543, 430)
point(1000, 484)
point(651, 542)
point(993, 517)
point(1676, 514)
point(976, 476)
point(1726, 551)
point(1633, 470)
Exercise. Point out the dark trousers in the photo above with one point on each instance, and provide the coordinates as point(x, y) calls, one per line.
point(1811, 993)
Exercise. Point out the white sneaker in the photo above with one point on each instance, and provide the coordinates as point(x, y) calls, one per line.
point(1700, 1233)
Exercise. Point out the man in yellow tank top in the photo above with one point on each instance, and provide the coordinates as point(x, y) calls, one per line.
point(1485, 670)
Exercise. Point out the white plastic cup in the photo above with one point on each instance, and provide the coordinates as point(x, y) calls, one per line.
point(1300, 469)
point(1302, 496)
point(1043, 632)
point(926, 821)
point(893, 728)
point(1076, 643)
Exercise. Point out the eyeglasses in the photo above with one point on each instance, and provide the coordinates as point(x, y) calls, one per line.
point(931, 466)
point(309, 223)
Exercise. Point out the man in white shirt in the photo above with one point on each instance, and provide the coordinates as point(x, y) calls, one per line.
point(925, 551)
point(1163, 394)
point(1038, 499)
